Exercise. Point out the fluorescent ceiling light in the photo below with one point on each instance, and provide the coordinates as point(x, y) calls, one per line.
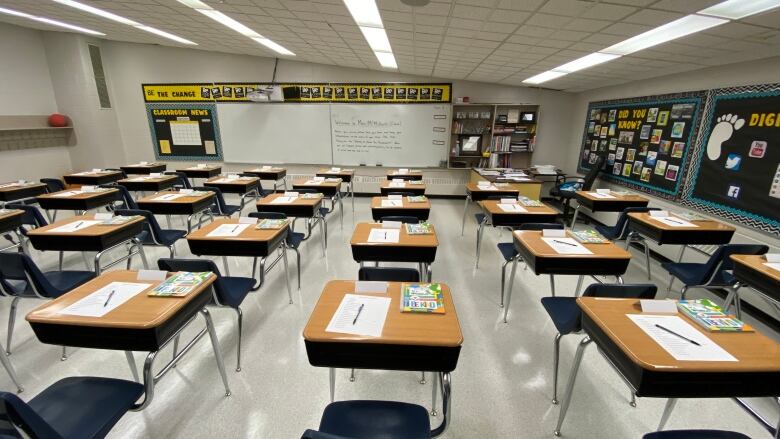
point(49, 21)
point(670, 31)
point(544, 77)
point(377, 39)
point(386, 59)
point(273, 46)
point(585, 62)
point(364, 12)
point(736, 9)
point(164, 34)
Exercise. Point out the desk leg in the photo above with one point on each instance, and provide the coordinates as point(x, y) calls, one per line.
point(215, 346)
point(480, 231)
point(579, 285)
point(509, 288)
point(324, 234)
point(133, 368)
point(352, 193)
point(465, 209)
point(671, 277)
point(574, 218)
point(446, 403)
point(552, 284)
point(332, 376)
point(341, 209)
point(10, 369)
point(22, 243)
point(434, 389)
point(670, 403)
point(227, 266)
point(570, 385)
point(286, 274)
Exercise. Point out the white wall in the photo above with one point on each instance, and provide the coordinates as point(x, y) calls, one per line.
point(26, 89)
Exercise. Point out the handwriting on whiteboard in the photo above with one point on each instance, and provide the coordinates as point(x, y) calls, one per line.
point(367, 135)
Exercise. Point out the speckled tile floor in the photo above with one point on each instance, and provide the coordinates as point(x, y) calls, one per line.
point(501, 388)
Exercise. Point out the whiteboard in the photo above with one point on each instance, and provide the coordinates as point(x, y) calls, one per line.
point(339, 134)
point(275, 133)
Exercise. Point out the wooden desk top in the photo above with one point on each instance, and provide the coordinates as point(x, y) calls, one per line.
point(300, 201)
point(94, 230)
point(196, 168)
point(491, 207)
point(79, 195)
point(500, 187)
point(5, 214)
point(15, 186)
point(342, 171)
point(271, 169)
point(629, 197)
point(93, 174)
point(250, 234)
point(401, 328)
point(411, 172)
point(324, 183)
point(140, 312)
point(532, 240)
point(755, 352)
point(756, 263)
point(376, 203)
point(362, 230)
point(148, 179)
point(703, 225)
point(241, 181)
point(189, 199)
point(386, 184)
point(145, 165)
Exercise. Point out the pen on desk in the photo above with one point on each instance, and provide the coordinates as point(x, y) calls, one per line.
point(110, 295)
point(358, 313)
point(79, 224)
point(234, 229)
point(564, 242)
point(674, 333)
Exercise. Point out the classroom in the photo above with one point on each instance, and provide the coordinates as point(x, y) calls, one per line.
point(390, 219)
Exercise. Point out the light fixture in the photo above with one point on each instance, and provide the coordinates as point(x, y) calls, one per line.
point(585, 62)
point(227, 21)
point(544, 77)
point(377, 38)
point(386, 59)
point(736, 9)
point(123, 20)
point(364, 12)
point(49, 21)
point(670, 31)
point(366, 15)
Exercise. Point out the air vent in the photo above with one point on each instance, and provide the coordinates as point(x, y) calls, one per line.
point(100, 76)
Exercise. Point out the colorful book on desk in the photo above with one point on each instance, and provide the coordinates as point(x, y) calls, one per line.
point(118, 220)
point(180, 284)
point(308, 196)
point(417, 199)
point(710, 316)
point(271, 224)
point(422, 298)
point(529, 202)
point(589, 236)
point(422, 228)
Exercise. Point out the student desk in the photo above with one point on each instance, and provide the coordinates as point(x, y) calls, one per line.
point(252, 242)
point(308, 208)
point(409, 248)
point(142, 323)
point(204, 172)
point(652, 372)
point(146, 183)
point(411, 175)
point(330, 187)
point(751, 272)
point(16, 191)
point(595, 202)
point(414, 187)
point(98, 238)
point(10, 221)
point(189, 205)
point(420, 210)
point(76, 200)
point(241, 186)
point(409, 341)
point(346, 176)
point(91, 178)
point(474, 192)
point(144, 168)
point(497, 217)
point(273, 174)
point(607, 260)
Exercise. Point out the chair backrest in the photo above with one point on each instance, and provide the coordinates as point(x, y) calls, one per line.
point(540, 226)
point(20, 268)
point(593, 172)
point(389, 274)
point(124, 195)
point(32, 215)
point(406, 219)
point(720, 260)
point(621, 226)
point(260, 191)
point(53, 184)
point(624, 291)
point(221, 204)
point(268, 215)
point(16, 415)
point(196, 265)
point(306, 190)
point(152, 226)
point(183, 180)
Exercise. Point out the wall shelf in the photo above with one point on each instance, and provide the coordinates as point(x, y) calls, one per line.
point(25, 132)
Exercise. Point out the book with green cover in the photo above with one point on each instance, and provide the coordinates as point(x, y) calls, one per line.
point(588, 236)
point(711, 317)
point(417, 199)
point(180, 284)
point(271, 224)
point(425, 298)
point(423, 228)
point(529, 202)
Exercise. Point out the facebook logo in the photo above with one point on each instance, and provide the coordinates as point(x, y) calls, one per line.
point(733, 191)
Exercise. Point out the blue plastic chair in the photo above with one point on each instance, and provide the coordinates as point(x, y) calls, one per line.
point(481, 216)
point(389, 274)
point(509, 253)
point(695, 434)
point(20, 278)
point(716, 272)
point(220, 207)
point(372, 419)
point(324, 211)
point(126, 200)
point(228, 291)
point(406, 219)
point(293, 240)
point(154, 235)
point(566, 315)
point(53, 184)
point(621, 232)
point(72, 408)
point(32, 218)
point(184, 182)
point(566, 187)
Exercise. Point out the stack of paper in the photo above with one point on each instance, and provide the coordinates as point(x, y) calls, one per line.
point(284, 200)
point(105, 300)
point(66, 194)
point(392, 203)
point(681, 340)
point(397, 184)
point(601, 196)
point(567, 246)
point(772, 261)
point(74, 226)
point(512, 208)
point(360, 315)
point(169, 197)
point(384, 235)
point(674, 221)
point(227, 230)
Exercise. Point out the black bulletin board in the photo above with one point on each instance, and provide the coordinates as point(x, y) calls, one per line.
point(645, 140)
point(184, 131)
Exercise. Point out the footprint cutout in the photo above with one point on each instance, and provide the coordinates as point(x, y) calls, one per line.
point(724, 128)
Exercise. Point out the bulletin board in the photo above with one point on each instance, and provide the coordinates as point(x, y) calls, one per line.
point(185, 131)
point(736, 171)
point(646, 141)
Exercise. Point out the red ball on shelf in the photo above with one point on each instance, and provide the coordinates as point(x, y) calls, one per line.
point(58, 120)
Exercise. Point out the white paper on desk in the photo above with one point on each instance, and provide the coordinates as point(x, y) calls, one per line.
point(509, 201)
point(335, 169)
point(74, 226)
point(674, 221)
point(169, 197)
point(139, 179)
point(384, 235)
point(773, 265)
point(265, 168)
point(658, 306)
point(227, 230)
point(225, 180)
point(284, 200)
point(392, 224)
point(397, 184)
point(680, 349)
point(395, 197)
point(392, 203)
point(567, 246)
point(94, 305)
point(602, 191)
point(554, 233)
point(512, 208)
point(89, 188)
point(659, 213)
point(772, 257)
point(291, 194)
point(156, 275)
point(314, 182)
point(155, 175)
point(66, 194)
point(370, 321)
point(201, 166)
point(600, 195)
point(365, 286)
point(247, 220)
point(487, 188)
point(143, 163)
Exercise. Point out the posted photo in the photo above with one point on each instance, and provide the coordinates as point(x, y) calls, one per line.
point(652, 114)
point(626, 137)
point(645, 132)
point(626, 169)
point(630, 155)
point(660, 167)
point(656, 137)
point(663, 118)
point(671, 172)
point(677, 129)
point(678, 149)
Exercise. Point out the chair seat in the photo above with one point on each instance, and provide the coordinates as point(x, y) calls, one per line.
point(695, 434)
point(85, 407)
point(227, 209)
point(294, 239)
point(507, 250)
point(694, 274)
point(376, 419)
point(68, 280)
point(609, 232)
point(564, 313)
point(233, 290)
point(166, 236)
point(325, 211)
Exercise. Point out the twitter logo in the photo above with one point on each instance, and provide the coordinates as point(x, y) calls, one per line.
point(733, 162)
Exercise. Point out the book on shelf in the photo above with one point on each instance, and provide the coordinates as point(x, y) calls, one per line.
point(180, 284)
point(711, 317)
point(423, 228)
point(588, 236)
point(425, 298)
